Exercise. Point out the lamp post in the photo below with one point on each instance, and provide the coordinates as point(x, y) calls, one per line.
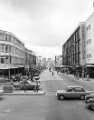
point(9, 65)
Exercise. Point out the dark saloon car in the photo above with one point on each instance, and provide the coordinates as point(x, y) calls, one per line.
point(28, 85)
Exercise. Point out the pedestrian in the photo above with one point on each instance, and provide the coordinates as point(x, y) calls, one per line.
point(52, 73)
point(87, 77)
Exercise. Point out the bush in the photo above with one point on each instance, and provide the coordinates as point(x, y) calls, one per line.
point(8, 89)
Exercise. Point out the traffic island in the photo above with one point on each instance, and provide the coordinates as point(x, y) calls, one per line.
point(27, 92)
point(11, 90)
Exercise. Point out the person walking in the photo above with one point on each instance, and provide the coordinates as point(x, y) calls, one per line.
point(52, 73)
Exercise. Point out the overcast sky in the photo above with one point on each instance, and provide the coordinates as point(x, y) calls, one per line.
point(43, 25)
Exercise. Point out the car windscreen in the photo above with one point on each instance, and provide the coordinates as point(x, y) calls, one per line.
point(68, 89)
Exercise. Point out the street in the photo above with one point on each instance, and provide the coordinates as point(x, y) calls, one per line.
point(47, 107)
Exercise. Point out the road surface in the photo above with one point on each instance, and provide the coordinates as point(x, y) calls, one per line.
point(47, 107)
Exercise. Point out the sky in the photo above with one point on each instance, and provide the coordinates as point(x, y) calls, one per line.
point(43, 25)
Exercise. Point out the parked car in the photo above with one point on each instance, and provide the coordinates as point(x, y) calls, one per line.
point(72, 92)
point(87, 97)
point(90, 103)
point(28, 85)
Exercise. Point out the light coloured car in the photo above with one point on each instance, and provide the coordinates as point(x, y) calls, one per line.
point(72, 92)
point(90, 103)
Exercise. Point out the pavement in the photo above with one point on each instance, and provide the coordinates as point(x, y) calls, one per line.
point(80, 79)
point(20, 92)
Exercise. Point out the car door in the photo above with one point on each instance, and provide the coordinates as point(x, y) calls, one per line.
point(78, 92)
point(75, 93)
point(69, 93)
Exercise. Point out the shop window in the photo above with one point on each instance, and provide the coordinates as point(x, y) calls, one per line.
point(88, 41)
point(89, 56)
point(2, 60)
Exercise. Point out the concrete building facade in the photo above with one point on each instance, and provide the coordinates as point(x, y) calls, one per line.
point(14, 57)
point(11, 51)
point(90, 45)
point(90, 40)
point(73, 50)
point(78, 50)
point(30, 59)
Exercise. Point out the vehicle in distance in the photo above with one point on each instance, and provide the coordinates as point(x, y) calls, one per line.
point(72, 92)
point(90, 103)
point(27, 85)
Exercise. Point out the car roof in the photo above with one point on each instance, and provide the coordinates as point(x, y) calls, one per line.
point(74, 86)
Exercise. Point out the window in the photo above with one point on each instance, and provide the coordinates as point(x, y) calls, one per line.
point(89, 56)
point(2, 48)
point(2, 60)
point(88, 27)
point(1, 36)
point(6, 49)
point(88, 41)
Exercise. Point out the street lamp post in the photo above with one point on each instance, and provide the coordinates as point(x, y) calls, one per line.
point(9, 65)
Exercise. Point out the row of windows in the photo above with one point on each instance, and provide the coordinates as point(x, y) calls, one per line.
point(30, 59)
point(89, 55)
point(88, 27)
point(15, 60)
point(19, 52)
point(4, 60)
point(18, 61)
point(10, 49)
point(11, 60)
point(5, 48)
point(10, 38)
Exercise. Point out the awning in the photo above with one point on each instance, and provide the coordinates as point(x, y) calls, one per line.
point(90, 65)
point(7, 66)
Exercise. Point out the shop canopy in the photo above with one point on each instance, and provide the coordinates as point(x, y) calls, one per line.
point(6, 66)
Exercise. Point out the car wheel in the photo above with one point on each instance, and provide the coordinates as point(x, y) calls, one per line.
point(82, 97)
point(61, 97)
